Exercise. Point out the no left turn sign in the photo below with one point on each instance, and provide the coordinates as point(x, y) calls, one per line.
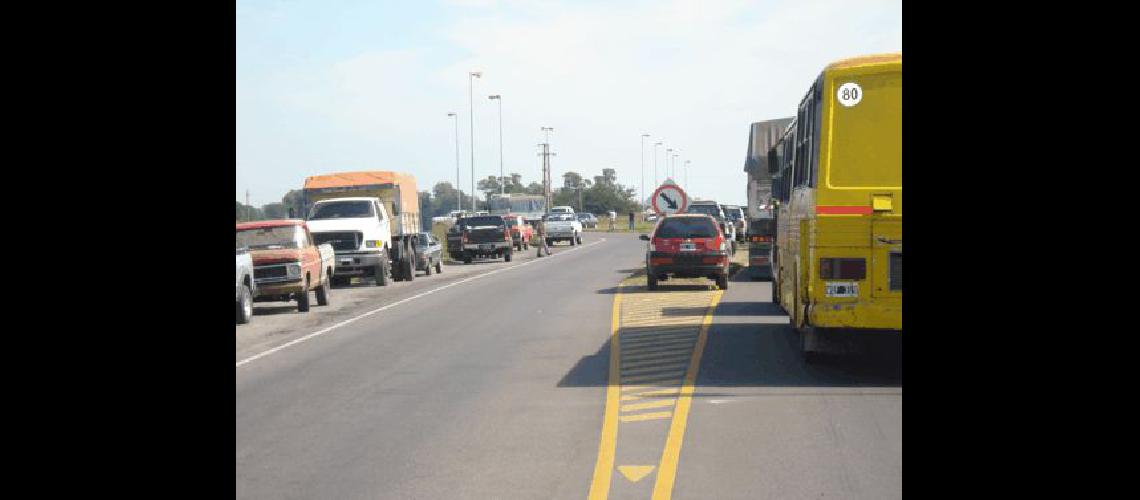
point(670, 199)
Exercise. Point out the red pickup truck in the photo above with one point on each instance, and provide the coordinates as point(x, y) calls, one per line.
point(286, 263)
point(521, 231)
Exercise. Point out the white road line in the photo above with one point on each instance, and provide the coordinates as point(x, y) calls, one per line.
point(408, 299)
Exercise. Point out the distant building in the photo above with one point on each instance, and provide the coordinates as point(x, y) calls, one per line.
point(761, 137)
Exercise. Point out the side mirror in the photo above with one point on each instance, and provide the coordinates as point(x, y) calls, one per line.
point(644, 237)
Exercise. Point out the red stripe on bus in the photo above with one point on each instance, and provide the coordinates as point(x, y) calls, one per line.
point(843, 209)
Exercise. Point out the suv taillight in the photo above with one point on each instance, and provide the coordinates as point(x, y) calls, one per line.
point(842, 269)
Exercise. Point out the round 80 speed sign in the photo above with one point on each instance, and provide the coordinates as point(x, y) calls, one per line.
point(670, 199)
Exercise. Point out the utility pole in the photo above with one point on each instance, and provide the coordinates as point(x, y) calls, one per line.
point(546, 154)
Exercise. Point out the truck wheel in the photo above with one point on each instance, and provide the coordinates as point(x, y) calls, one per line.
point(439, 267)
point(244, 305)
point(466, 257)
point(323, 293)
point(409, 270)
point(507, 255)
point(722, 281)
point(303, 299)
point(382, 271)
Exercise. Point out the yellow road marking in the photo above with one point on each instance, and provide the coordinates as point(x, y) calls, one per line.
point(667, 472)
point(634, 473)
point(659, 353)
point(658, 392)
point(676, 375)
point(645, 416)
point(642, 387)
point(603, 468)
point(648, 346)
point(662, 338)
point(656, 361)
point(677, 365)
point(652, 404)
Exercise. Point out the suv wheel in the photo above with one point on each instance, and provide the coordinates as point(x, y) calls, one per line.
point(722, 281)
point(651, 279)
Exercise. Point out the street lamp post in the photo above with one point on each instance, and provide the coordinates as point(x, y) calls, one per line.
point(458, 199)
point(499, 98)
point(687, 173)
point(674, 165)
point(641, 194)
point(655, 164)
point(668, 153)
point(471, 100)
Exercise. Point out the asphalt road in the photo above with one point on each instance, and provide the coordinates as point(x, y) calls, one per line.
point(490, 381)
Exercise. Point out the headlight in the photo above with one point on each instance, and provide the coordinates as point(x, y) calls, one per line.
point(372, 243)
point(293, 270)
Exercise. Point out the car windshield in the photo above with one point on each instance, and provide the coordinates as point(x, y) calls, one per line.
point(712, 210)
point(342, 210)
point(271, 238)
point(687, 227)
point(483, 221)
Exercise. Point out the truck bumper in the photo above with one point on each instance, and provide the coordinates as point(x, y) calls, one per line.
point(487, 247)
point(357, 263)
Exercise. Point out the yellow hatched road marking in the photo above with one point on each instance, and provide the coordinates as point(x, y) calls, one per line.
point(645, 344)
point(646, 416)
point(642, 387)
point(667, 471)
point(691, 334)
point(652, 404)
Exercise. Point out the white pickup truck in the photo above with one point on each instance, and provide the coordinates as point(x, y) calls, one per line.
point(563, 227)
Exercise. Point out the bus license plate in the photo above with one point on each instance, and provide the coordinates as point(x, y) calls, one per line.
point(842, 289)
point(688, 247)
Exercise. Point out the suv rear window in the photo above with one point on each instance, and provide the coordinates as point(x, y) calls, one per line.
point(483, 221)
point(687, 227)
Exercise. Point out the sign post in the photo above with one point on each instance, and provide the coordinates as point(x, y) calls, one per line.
point(669, 199)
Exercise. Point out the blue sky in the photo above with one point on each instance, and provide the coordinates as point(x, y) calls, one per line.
point(334, 86)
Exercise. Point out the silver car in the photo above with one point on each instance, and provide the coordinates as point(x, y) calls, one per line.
point(429, 254)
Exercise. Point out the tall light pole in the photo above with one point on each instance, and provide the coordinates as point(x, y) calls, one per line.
point(655, 164)
point(687, 173)
point(674, 163)
point(471, 99)
point(668, 153)
point(641, 194)
point(458, 199)
point(499, 98)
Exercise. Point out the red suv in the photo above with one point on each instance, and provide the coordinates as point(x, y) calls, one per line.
point(687, 246)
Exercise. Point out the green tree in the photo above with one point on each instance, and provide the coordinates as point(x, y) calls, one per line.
point(274, 211)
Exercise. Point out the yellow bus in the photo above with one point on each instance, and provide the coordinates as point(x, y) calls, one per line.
point(838, 253)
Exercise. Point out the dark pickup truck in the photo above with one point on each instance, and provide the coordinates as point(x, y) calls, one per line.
point(480, 236)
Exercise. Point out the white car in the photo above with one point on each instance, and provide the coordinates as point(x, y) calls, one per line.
point(563, 227)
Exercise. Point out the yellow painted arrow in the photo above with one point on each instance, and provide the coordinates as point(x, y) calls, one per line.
point(635, 473)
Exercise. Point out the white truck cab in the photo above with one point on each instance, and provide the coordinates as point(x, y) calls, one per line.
point(563, 209)
point(359, 230)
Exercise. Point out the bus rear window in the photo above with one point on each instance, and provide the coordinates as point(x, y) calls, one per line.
point(866, 139)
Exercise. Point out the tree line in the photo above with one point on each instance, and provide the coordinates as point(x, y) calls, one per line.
point(599, 195)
